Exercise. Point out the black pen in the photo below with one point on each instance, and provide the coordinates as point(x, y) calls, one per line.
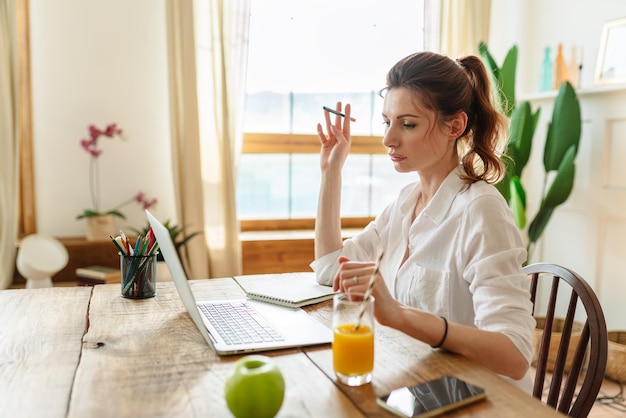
point(336, 112)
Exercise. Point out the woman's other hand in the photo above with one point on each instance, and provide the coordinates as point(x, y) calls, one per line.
point(354, 277)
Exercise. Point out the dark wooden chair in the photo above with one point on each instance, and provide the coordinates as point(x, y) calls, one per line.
point(589, 359)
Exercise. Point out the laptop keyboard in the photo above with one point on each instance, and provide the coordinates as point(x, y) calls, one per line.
point(239, 322)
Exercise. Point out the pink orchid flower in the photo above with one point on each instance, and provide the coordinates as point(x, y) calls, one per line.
point(91, 146)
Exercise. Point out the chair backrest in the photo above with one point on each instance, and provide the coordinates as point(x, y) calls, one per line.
point(588, 364)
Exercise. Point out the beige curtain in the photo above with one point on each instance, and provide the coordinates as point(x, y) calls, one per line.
point(464, 23)
point(207, 60)
point(9, 140)
point(185, 132)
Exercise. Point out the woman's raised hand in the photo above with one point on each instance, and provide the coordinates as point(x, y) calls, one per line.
point(336, 142)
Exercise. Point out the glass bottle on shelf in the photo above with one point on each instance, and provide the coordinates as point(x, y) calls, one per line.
point(573, 69)
point(545, 73)
point(560, 68)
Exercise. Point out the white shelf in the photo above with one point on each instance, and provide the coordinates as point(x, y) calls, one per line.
point(586, 91)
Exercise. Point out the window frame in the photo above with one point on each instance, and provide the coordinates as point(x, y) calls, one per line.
point(273, 143)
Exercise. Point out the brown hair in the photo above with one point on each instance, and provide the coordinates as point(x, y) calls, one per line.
point(448, 87)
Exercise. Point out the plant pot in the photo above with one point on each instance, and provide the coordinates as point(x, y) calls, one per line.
point(616, 358)
point(101, 228)
point(555, 340)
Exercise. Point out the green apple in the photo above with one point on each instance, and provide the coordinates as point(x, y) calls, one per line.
point(254, 388)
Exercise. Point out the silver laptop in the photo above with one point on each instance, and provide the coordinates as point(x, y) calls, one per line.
point(261, 327)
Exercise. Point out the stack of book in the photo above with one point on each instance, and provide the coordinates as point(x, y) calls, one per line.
point(93, 275)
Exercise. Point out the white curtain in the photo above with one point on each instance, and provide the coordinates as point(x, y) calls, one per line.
point(222, 36)
point(464, 23)
point(9, 140)
point(207, 79)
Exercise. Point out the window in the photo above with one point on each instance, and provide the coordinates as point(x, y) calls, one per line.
point(304, 55)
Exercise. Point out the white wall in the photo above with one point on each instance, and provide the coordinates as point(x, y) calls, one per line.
point(97, 62)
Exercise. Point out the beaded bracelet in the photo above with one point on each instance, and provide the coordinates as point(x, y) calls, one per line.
point(445, 333)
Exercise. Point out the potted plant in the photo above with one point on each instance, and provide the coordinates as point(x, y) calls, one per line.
point(561, 146)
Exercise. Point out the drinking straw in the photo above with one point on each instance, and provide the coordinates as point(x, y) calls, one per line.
point(370, 286)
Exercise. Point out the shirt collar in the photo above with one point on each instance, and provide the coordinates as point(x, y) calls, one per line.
point(441, 202)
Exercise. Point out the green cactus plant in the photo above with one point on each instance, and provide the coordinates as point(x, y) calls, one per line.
point(561, 146)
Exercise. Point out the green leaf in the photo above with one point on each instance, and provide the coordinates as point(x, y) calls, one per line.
point(507, 78)
point(187, 238)
point(539, 223)
point(116, 213)
point(503, 77)
point(525, 140)
point(517, 130)
point(509, 161)
point(504, 188)
point(88, 213)
point(518, 202)
point(519, 189)
point(564, 129)
point(558, 193)
point(489, 61)
point(563, 183)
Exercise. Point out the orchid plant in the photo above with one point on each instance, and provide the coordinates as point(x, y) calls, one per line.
point(91, 146)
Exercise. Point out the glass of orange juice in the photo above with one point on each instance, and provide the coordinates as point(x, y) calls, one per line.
point(353, 338)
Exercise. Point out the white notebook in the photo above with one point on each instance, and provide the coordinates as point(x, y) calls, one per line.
point(287, 289)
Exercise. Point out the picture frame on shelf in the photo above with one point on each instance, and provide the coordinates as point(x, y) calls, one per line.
point(611, 62)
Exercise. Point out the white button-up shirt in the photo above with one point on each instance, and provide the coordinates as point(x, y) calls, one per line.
point(465, 258)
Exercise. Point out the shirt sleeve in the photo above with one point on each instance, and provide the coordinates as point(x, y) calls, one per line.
point(493, 254)
point(356, 248)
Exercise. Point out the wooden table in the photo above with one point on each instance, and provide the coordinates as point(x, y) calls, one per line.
point(87, 352)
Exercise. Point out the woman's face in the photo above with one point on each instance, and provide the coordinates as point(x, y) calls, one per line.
point(414, 140)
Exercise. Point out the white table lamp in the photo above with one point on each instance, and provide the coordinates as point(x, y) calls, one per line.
point(39, 258)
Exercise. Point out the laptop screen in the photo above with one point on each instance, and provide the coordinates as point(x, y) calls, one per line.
point(168, 250)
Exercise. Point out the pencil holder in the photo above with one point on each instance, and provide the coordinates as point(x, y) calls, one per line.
point(138, 275)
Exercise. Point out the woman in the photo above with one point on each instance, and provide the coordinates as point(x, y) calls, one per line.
point(451, 272)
